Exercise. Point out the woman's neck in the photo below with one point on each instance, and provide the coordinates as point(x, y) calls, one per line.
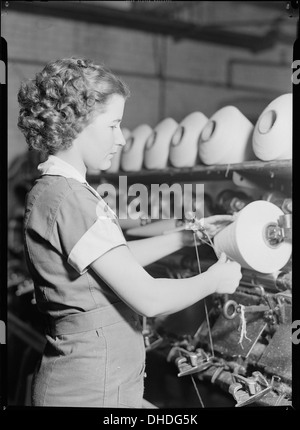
point(72, 157)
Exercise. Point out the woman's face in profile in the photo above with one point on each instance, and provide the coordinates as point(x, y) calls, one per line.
point(98, 141)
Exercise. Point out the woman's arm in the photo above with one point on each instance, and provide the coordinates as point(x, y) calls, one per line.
point(151, 249)
point(151, 297)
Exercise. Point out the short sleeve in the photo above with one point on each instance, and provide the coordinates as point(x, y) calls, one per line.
point(85, 229)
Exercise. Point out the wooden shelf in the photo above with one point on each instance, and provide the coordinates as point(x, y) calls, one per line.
point(281, 169)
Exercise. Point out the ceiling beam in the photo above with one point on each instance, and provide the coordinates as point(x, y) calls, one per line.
point(275, 5)
point(162, 8)
point(145, 22)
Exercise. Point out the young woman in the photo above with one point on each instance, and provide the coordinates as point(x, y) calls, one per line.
point(89, 282)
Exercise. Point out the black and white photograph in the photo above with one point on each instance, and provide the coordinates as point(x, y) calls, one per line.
point(149, 208)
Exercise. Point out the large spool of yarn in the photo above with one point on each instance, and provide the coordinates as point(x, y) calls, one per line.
point(116, 160)
point(245, 240)
point(226, 138)
point(273, 136)
point(184, 143)
point(158, 144)
point(133, 152)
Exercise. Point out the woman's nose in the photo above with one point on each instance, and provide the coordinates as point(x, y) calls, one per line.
point(120, 139)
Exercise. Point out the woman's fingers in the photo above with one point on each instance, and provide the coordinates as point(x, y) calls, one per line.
point(215, 219)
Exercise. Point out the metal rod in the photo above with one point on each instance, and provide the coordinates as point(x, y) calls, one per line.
point(254, 343)
point(197, 391)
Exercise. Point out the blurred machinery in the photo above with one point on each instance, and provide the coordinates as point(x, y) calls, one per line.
point(246, 347)
point(244, 343)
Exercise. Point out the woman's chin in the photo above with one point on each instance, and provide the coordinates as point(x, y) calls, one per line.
point(105, 165)
point(93, 170)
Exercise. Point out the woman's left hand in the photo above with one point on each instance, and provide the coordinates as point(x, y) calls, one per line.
point(212, 225)
point(215, 223)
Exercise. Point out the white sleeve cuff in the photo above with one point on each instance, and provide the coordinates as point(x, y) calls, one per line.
point(100, 238)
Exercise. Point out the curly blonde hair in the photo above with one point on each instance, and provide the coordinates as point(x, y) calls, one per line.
point(58, 104)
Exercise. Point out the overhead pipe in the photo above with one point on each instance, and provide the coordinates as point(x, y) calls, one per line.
point(146, 23)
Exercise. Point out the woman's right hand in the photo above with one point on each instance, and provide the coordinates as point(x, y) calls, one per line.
point(226, 275)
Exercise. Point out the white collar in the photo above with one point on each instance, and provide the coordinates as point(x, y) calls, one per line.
point(56, 166)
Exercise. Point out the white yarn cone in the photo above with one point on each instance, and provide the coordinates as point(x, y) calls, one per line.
point(158, 144)
point(273, 135)
point(226, 138)
point(184, 143)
